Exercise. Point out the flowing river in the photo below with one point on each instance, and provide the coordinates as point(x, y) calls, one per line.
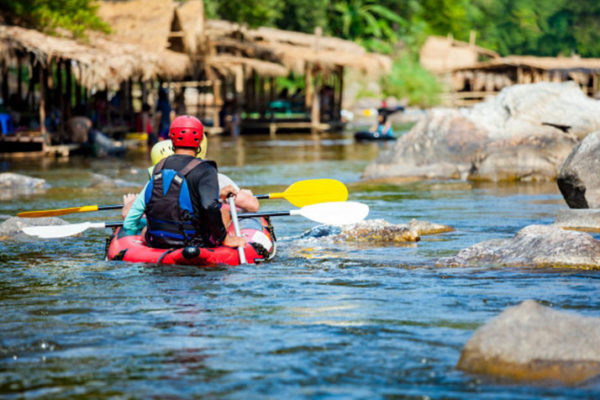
point(322, 320)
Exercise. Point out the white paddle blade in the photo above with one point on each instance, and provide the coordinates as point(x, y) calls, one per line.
point(336, 213)
point(60, 231)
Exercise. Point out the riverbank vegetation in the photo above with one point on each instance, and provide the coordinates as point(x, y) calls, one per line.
point(394, 27)
point(399, 28)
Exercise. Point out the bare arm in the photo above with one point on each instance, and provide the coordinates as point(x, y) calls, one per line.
point(246, 201)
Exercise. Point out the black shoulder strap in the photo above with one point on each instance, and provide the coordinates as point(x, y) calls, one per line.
point(190, 166)
point(159, 166)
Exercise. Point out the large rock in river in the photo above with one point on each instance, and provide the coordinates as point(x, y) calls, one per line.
point(524, 133)
point(579, 180)
point(12, 228)
point(531, 342)
point(12, 185)
point(534, 246)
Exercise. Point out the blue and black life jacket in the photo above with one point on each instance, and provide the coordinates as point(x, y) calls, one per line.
point(169, 210)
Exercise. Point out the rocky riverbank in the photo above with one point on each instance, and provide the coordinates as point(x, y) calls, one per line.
point(523, 134)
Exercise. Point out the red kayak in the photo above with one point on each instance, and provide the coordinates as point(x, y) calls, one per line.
point(258, 233)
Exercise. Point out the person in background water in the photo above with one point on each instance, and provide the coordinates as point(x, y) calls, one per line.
point(164, 114)
point(383, 126)
point(189, 212)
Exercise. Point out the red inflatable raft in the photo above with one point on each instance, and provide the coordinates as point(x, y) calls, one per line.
point(258, 232)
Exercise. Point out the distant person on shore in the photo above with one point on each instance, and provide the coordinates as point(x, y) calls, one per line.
point(164, 114)
point(79, 125)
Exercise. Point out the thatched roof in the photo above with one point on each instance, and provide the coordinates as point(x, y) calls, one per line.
point(226, 64)
point(191, 17)
point(145, 22)
point(295, 49)
point(443, 54)
point(101, 61)
point(147, 25)
point(542, 63)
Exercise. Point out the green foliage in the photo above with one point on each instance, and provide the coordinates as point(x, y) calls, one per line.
point(303, 15)
point(254, 13)
point(409, 80)
point(291, 83)
point(357, 19)
point(76, 16)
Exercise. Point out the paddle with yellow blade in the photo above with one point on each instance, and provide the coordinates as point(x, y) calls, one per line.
point(300, 194)
point(312, 191)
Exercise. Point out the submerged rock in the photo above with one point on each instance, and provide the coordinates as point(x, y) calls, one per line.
point(534, 246)
point(428, 228)
point(524, 133)
point(531, 342)
point(578, 179)
point(587, 220)
point(105, 182)
point(12, 228)
point(377, 231)
point(12, 185)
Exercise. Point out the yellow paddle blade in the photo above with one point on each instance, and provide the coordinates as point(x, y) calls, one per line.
point(54, 213)
point(313, 191)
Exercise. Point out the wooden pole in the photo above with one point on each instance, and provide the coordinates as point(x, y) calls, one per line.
point(315, 112)
point(5, 83)
point(61, 98)
point(42, 110)
point(262, 97)
point(69, 89)
point(340, 92)
point(107, 108)
point(308, 84)
point(20, 77)
point(271, 89)
point(33, 75)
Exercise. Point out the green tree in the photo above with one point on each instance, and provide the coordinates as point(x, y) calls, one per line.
point(304, 15)
point(76, 16)
point(358, 19)
point(514, 26)
point(254, 13)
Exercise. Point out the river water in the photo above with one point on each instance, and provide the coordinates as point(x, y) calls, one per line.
point(322, 320)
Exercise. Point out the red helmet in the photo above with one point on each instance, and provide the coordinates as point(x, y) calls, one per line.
point(186, 131)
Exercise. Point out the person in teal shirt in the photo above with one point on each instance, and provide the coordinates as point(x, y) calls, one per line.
point(383, 127)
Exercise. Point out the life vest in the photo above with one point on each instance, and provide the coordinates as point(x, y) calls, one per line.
point(381, 129)
point(169, 210)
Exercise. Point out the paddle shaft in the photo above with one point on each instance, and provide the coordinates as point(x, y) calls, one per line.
point(236, 227)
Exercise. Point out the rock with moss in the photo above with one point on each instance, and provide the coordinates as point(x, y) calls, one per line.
point(531, 342)
point(533, 246)
point(377, 231)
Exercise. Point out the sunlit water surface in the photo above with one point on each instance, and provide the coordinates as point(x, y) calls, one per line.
point(322, 320)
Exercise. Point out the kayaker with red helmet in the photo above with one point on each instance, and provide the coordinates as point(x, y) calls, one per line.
point(182, 197)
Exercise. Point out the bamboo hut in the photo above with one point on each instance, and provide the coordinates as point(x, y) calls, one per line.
point(320, 59)
point(472, 84)
point(444, 54)
point(64, 71)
